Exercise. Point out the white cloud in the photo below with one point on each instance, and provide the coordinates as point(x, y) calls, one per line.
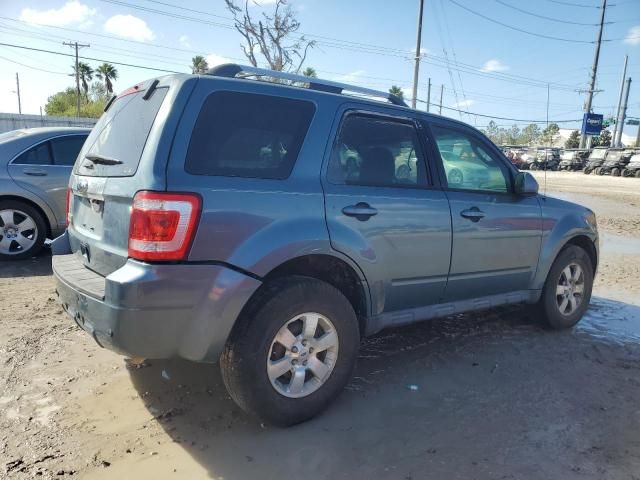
point(71, 13)
point(463, 104)
point(494, 65)
point(350, 77)
point(213, 60)
point(128, 26)
point(184, 41)
point(633, 36)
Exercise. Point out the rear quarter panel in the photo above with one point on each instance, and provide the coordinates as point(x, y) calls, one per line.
point(257, 224)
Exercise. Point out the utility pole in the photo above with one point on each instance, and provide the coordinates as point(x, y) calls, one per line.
point(441, 90)
point(416, 67)
point(623, 115)
point(77, 45)
point(18, 92)
point(617, 117)
point(429, 95)
point(594, 70)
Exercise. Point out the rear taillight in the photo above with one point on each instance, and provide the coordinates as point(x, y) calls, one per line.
point(162, 225)
point(69, 206)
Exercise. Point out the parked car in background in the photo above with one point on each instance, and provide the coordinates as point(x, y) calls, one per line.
point(595, 160)
point(615, 162)
point(215, 218)
point(573, 159)
point(633, 167)
point(546, 158)
point(35, 165)
point(528, 158)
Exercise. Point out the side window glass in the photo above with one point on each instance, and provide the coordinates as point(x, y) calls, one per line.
point(38, 155)
point(66, 149)
point(377, 152)
point(467, 164)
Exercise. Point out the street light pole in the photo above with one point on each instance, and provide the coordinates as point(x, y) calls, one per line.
point(18, 92)
point(416, 67)
point(594, 71)
point(617, 117)
point(77, 45)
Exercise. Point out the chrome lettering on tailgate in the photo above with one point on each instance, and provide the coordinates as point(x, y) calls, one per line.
point(90, 187)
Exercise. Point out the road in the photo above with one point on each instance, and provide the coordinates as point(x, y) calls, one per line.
point(483, 396)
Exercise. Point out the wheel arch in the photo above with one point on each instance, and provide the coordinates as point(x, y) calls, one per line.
point(47, 215)
point(334, 270)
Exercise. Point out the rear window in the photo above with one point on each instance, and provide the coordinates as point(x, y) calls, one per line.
point(66, 149)
point(248, 135)
point(121, 134)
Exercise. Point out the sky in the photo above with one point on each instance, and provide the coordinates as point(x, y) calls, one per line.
point(493, 57)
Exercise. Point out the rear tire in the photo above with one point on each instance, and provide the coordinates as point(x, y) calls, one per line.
point(250, 363)
point(637, 174)
point(586, 170)
point(22, 230)
point(615, 172)
point(601, 171)
point(567, 291)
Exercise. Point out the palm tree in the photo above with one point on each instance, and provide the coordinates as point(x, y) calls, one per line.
point(199, 64)
point(397, 91)
point(310, 72)
point(85, 72)
point(107, 72)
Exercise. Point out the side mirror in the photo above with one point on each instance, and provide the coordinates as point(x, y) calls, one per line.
point(526, 184)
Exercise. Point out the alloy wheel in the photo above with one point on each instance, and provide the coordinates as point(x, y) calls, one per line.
point(18, 232)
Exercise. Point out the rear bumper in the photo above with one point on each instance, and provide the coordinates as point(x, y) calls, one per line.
point(154, 310)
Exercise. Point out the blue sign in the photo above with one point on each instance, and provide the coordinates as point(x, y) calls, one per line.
point(591, 124)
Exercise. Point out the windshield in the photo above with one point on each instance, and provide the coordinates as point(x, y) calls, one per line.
point(598, 153)
point(614, 155)
point(568, 155)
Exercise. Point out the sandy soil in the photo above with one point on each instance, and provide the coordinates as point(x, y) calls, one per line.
point(496, 396)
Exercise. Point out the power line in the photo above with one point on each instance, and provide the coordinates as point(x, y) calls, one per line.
point(571, 4)
point(88, 58)
point(33, 68)
point(549, 37)
point(501, 2)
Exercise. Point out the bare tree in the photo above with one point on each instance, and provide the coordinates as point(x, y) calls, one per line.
point(273, 36)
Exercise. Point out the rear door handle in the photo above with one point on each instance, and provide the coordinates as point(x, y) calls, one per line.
point(34, 172)
point(361, 210)
point(474, 214)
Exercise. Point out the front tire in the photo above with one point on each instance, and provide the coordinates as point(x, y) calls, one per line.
point(292, 352)
point(567, 291)
point(22, 230)
point(586, 170)
point(615, 172)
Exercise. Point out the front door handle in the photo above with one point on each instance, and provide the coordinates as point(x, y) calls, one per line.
point(361, 210)
point(474, 214)
point(34, 172)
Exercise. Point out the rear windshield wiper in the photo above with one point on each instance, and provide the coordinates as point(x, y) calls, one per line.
point(102, 160)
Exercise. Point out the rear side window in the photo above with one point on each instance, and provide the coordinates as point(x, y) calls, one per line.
point(121, 134)
point(248, 135)
point(378, 152)
point(66, 149)
point(38, 155)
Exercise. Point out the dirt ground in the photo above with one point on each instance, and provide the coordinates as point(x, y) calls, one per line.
point(493, 395)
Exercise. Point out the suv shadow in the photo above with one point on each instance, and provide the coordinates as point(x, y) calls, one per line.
point(37, 266)
point(422, 398)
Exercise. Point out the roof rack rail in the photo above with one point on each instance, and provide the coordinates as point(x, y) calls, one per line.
point(232, 70)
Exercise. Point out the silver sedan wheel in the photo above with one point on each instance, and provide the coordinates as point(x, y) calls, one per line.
point(570, 289)
point(18, 232)
point(302, 355)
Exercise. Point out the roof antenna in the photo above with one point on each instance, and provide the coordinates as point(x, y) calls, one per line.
point(546, 154)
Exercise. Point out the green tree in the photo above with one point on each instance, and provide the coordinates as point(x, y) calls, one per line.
point(199, 64)
point(274, 36)
point(310, 72)
point(107, 73)
point(397, 91)
point(85, 73)
point(492, 131)
point(530, 134)
point(64, 103)
point(573, 141)
point(513, 135)
point(605, 138)
point(550, 134)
